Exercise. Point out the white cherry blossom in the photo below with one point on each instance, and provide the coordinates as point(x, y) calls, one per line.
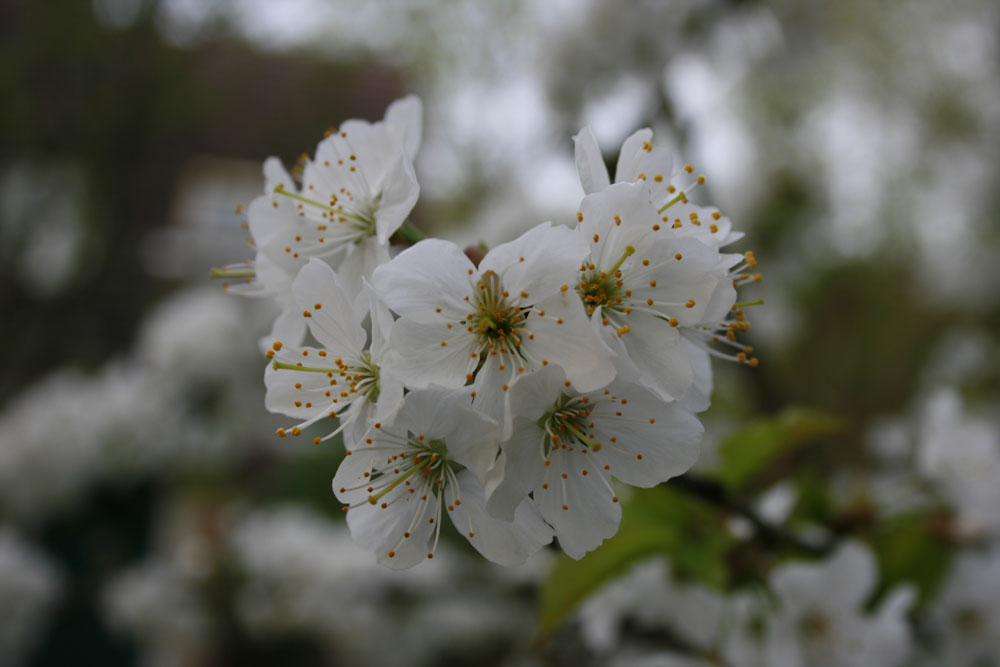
point(820, 619)
point(484, 326)
point(967, 614)
point(354, 195)
point(643, 287)
point(639, 161)
point(430, 461)
point(564, 447)
point(341, 379)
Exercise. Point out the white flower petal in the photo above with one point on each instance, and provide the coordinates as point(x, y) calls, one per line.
point(654, 440)
point(565, 337)
point(404, 119)
point(615, 218)
point(419, 359)
point(591, 515)
point(332, 319)
point(382, 530)
point(539, 262)
point(656, 349)
point(520, 467)
point(357, 266)
point(503, 542)
point(298, 394)
point(429, 275)
point(699, 394)
point(590, 163)
point(472, 438)
point(400, 192)
point(630, 154)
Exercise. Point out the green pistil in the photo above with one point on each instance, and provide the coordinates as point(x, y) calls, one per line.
point(629, 251)
point(367, 384)
point(745, 304)
point(280, 365)
point(496, 321)
point(567, 414)
point(596, 446)
point(399, 480)
point(233, 273)
point(602, 288)
point(312, 202)
point(680, 197)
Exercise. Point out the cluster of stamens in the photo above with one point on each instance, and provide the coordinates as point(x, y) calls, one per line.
point(416, 469)
point(724, 334)
point(497, 320)
point(348, 381)
point(566, 425)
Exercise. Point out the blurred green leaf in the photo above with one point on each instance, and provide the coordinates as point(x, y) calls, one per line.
point(753, 449)
point(659, 520)
point(914, 548)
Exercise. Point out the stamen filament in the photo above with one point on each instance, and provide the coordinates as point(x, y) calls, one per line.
point(680, 197)
point(629, 251)
point(281, 191)
point(280, 365)
point(233, 273)
point(744, 304)
point(584, 439)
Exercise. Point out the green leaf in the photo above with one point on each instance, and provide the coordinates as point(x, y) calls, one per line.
point(914, 548)
point(751, 450)
point(654, 521)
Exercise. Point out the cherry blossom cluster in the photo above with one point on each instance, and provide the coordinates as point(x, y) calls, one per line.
point(506, 393)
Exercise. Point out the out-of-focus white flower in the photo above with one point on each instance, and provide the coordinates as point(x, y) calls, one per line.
point(967, 614)
point(516, 311)
point(564, 448)
point(302, 569)
point(819, 617)
point(120, 424)
point(962, 455)
point(197, 335)
point(648, 597)
point(160, 606)
point(29, 585)
point(431, 461)
point(344, 379)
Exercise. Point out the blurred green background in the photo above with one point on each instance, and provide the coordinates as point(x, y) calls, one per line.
point(856, 143)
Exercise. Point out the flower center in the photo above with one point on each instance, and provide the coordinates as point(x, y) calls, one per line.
point(427, 460)
point(566, 424)
point(969, 621)
point(815, 625)
point(496, 321)
point(599, 288)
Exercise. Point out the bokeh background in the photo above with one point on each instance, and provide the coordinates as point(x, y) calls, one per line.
point(148, 514)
